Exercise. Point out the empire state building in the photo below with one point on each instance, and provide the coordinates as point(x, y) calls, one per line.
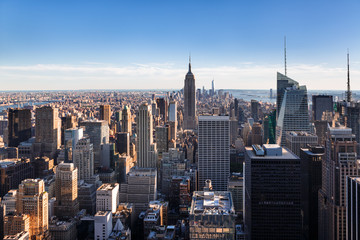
point(189, 101)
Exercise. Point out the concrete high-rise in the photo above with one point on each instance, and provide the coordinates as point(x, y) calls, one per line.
point(255, 109)
point(19, 126)
point(98, 131)
point(122, 143)
point(107, 197)
point(126, 121)
point(47, 131)
point(272, 193)
point(66, 190)
point(105, 113)
point(32, 199)
point(293, 114)
point(214, 151)
point(140, 188)
point(297, 140)
point(340, 161)
point(146, 148)
point(172, 111)
point(83, 159)
point(189, 101)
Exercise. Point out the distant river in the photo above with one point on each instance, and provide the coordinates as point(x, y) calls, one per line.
point(21, 105)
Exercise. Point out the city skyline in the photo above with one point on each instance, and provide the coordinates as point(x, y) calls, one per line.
point(53, 46)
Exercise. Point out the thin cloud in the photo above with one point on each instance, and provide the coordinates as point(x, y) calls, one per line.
point(167, 75)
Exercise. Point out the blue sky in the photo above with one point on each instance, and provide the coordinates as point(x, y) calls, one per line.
point(145, 44)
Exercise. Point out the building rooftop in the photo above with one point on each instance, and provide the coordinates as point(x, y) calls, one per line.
point(212, 203)
point(285, 154)
point(108, 186)
point(213, 118)
point(300, 134)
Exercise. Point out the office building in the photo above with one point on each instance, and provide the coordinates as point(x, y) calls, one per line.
point(146, 148)
point(105, 113)
point(163, 107)
point(212, 215)
point(283, 83)
point(47, 131)
point(19, 126)
point(61, 230)
point(256, 134)
point(255, 110)
point(103, 225)
point(67, 122)
point(107, 197)
point(32, 199)
point(66, 190)
point(321, 104)
point(214, 151)
point(71, 138)
point(122, 143)
point(172, 111)
point(9, 201)
point(83, 159)
point(162, 137)
point(272, 201)
point(98, 131)
point(140, 188)
point(352, 208)
point(340, 161)
point(236, 187)
point(87, 198)
point(293, 115)
point(16, 223)
point(12, 172)
point(126, 122)
point(189, 101)
point(297, 140)
point(311, 175)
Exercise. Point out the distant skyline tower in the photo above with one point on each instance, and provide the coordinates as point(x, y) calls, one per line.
point(19, 126)
point(213, 87)
point(126, 120)
point(348, 93)
point(189, 100)
point(214, 151)
point(47, 131)
point(293, 115)
point(105, 113)
point(146, 148)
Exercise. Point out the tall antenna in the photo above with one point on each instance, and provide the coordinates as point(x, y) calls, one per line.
point(348, 93)
point(285, 55)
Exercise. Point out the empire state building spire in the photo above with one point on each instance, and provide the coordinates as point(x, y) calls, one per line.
point(189, 100)
point(348, 92)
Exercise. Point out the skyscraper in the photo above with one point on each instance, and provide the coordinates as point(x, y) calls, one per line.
point(352, 209)
point(19, 126)
point(255, 108)
point(214, 151)
point(311, 175)
point(83, 159)
point(66, 190)
point(283, 82)
point(146, 149)
point(340, 162)
point(105, 113)
point(321, 104)
point(293, 115)
point(163, 107)
point(126, 121)
point(272, 193)
point(98, 131)
point(47, 131)
point(189, 101)
point(32, 199)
